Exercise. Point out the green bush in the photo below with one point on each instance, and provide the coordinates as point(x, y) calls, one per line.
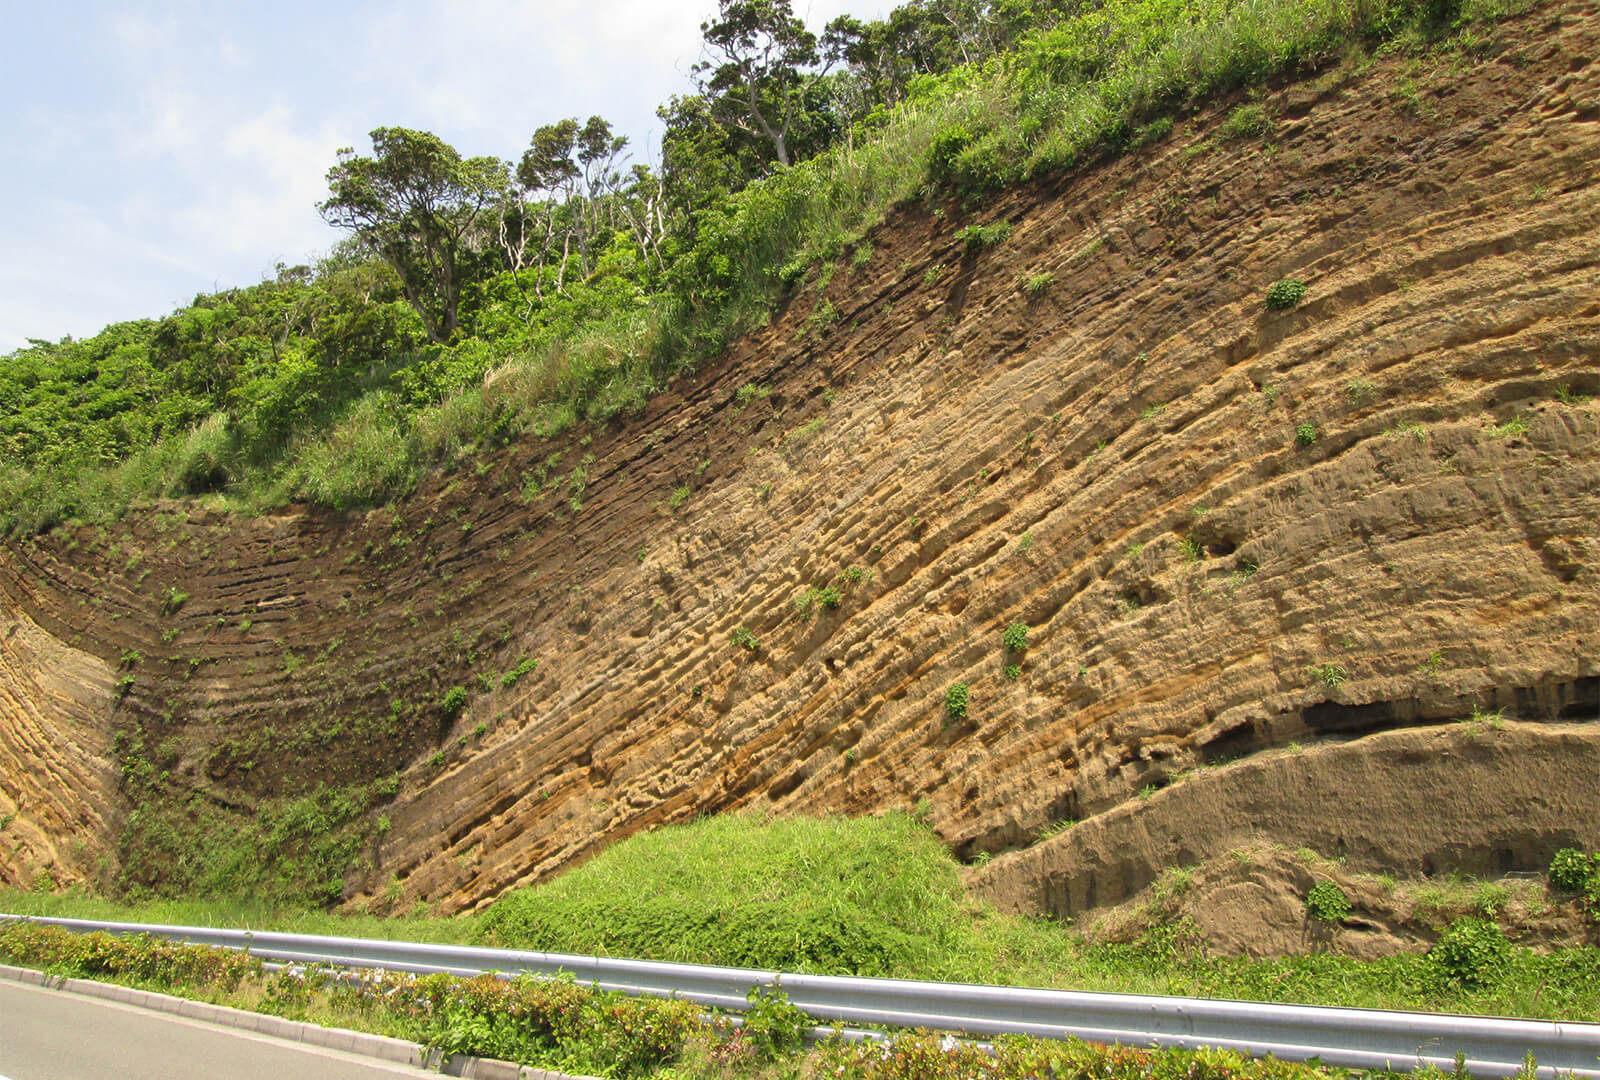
point(955, 702)
point(773, 1026)
point(453, 702)
point(1285, 294)
point(1471, 953)
point(1571, 870)
point(743, 638)
point(1305, 434)
point(1327, 902)
point(1015, 637)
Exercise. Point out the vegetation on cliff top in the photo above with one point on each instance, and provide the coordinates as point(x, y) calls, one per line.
point(479, 300)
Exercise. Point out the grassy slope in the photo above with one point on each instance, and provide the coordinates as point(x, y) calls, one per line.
point(879, 896)
point(1109, 77)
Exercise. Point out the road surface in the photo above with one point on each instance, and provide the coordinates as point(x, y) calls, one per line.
point(52, 1035)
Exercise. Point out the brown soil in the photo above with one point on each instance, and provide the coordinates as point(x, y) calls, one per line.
point(1112, 461)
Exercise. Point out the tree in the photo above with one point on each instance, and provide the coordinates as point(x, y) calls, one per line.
point(761, 54)
point(418, 205)
point(568, 170)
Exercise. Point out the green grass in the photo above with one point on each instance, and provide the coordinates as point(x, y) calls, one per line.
point(877, 896)
point(361, 433)
point(874, 896)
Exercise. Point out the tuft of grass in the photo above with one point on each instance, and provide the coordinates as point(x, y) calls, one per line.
point(1249, 121)
point(980, 237)
point(1330, 675)
point(1517, 425)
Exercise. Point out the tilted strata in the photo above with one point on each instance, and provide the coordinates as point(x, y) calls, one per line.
point(1090, 429)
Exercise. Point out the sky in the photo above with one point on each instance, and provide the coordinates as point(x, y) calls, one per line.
point(154, 152)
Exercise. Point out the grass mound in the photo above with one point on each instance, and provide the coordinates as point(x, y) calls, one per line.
point(869, 896)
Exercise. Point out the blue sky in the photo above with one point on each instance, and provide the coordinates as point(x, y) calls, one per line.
point(154, 152)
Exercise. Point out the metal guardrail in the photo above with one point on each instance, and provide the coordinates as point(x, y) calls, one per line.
point(1352, 1038)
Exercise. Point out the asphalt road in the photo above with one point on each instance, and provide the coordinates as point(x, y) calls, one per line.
point(51, 1035)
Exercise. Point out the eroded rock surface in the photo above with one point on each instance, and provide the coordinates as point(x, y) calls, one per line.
point(1228, 529)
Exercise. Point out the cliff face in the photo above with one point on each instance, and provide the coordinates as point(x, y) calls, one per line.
point(1230, 530)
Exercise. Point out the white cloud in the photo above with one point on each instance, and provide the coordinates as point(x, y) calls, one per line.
point(186, 149)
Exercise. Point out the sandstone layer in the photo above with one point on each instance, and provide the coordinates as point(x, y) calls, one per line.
point(1229, 529)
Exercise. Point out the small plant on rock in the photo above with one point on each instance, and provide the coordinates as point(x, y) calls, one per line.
point(1015, 637)
point(743, 638)
point(1305, 434)
point(1285, 294)
point(1329, 675)
point(955, 702)
point(453, 701)
point(1326, 902)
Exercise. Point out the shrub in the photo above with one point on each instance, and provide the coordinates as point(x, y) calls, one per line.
point(743, 638)
point(454, 700)
point(1327, 902)
point(1571, 870)
point(955, 702)
point(1015, 637)
point(1471, 953)
point(773, 1026)
point(1305, 434)
point(1285, 294)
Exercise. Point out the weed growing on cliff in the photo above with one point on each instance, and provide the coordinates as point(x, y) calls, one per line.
point(1249, 121)
point(812, 599)
point(1190, 549)
point(1305, 434)
point(932, 274)
point(1036, 284)
point(979, 237)
point(524, 666)
point(1285, 294)
point(1517, 425)
point(1012, 672)
point(1433, 664)
point(1015, 637)
point(744, 639)
point(453, 702)
point(1330, 675)
point(1359, 390)
point(172, 600)
point(1326, 902)
point(956, 699)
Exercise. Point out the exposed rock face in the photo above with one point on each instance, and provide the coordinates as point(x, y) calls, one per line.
point(1229, 529)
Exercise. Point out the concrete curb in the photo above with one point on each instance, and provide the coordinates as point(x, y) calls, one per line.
point(351, 1042)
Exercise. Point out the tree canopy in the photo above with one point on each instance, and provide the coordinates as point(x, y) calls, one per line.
point(418, 204)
